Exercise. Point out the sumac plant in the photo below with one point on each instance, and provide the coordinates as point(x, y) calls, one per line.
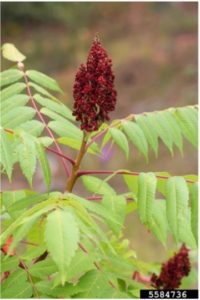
point(61, 244)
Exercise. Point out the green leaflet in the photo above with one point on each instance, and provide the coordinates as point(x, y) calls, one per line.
point(137, 137)
point(62, 237)
point(94, 283)
point(11, 198)
point(44, 163)
point(76, 144)
point(42, 91)
point(45, 287)
point(95, 185)
point(18, 280)
point(10, 76)
point(6, 153)
point(173, 184)
point(187, 117)
point(161, 182)
point(162, 128)
point(146, 196)
point(21, 232)
point(24, 216)
point(36, 234)
point(32, 127)
point(57, 107)
point(51, 114)
point(45, 141)
point(185, 232)
point(98, 210)
point(174, 129)
point(66, 129)
point(43, 268)
point(194, 210)
point(159, 221)
point(12, 90)
point(43, 80)
point(116, 206)
point(150, 135)
point(178, 213)
point(14, 101)
point(106, 139)
point(120, 139)
point(22, 201)
point(33, 253)
point(17, 116)
point(132, 183)
point(11, 263)
point(80, 263)
point(10, 52)
point(27, 156)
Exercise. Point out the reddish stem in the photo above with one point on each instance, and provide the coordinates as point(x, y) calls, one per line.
point(89, 172)
point(21, 67)
point(97, 198)
point(96, 137)
point(61, 155)
point(141, 278)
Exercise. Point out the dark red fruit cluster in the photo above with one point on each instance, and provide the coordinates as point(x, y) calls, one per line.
point(173, 271)
point(94, 92)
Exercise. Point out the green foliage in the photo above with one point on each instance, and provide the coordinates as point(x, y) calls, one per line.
point(194, 210)
point(11, 53)
point(62, 237)
point(120, 139)
point(10, 76)
point(12, 90)
point(17, 279)
point(116, 205)
point(44, 164)
point(6, 154)
point(95, 185)
point(69, 246)
point(170, 126)
point(27, 156)
point(137, 137)
point(177, 197)
point(43, 80)
point(146, 197)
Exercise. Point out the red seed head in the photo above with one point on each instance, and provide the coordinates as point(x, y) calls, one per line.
point(94, 92)
point(173, 271)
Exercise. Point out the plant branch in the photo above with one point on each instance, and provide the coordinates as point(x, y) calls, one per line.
point(98, 198)
point(61, 155)
point(73, 176)
point(21, 68)
point(121, 172)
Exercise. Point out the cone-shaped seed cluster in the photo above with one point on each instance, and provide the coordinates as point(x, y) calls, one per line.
point(173, 271)
point(94, 92)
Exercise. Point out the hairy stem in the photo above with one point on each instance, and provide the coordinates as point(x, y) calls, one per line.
point(121, 172)
point(72, 179)
point(21, 68)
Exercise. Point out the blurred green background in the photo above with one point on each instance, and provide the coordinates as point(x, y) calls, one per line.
point(154, 51)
